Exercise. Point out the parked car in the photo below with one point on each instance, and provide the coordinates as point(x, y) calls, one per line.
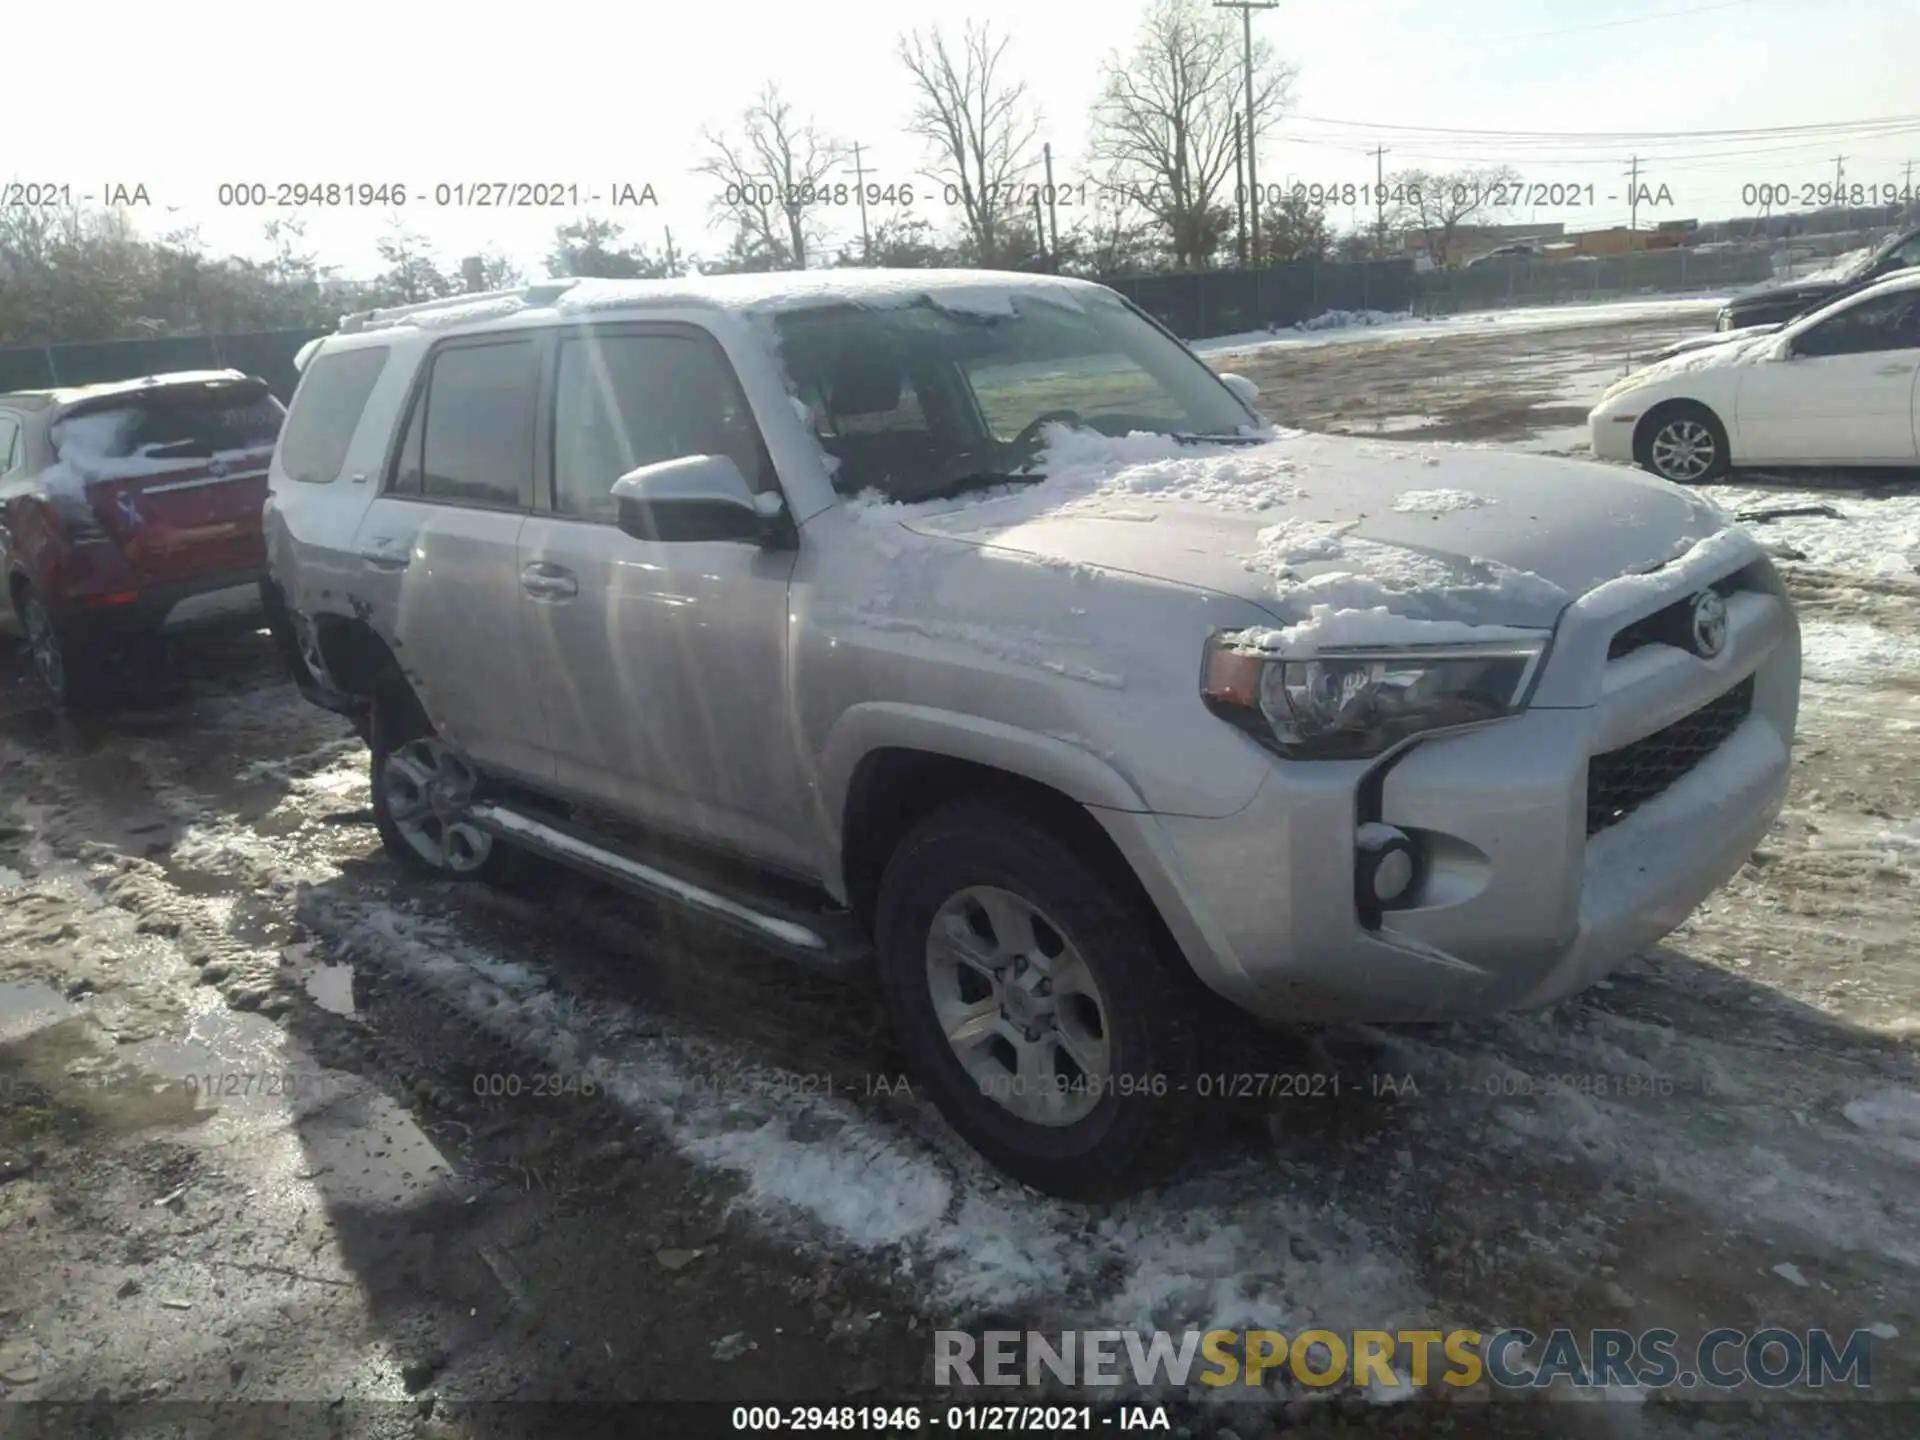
point(1521, 251)
point(128, 510)
point(965, 632)
point(1789, 300)
point(1837, 387)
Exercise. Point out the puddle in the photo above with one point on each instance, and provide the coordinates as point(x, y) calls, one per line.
point(27, 1005)
point(331, 987)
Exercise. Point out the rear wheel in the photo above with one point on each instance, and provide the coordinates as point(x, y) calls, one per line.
point(1039, 1001)
point(421, 789)
point(1684, 443)
point(65, 665)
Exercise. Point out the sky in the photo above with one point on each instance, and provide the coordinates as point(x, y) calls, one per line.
point(422, 93)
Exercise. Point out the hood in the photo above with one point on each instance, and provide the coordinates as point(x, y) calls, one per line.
point(1788, 292)
point(1304, 526)
point(1737, 347)
point(1718, 337)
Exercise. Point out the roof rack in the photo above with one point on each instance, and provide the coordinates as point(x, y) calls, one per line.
point(543, 293)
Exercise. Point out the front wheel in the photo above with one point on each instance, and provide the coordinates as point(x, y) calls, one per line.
point(1684, 443)
point(1039, 1002)
point(421, 788)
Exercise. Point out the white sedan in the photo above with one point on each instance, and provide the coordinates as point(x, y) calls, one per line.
point(1837, 387)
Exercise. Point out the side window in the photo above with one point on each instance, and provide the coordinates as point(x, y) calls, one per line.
point(623, 400)
point(475, 423)
point(326, 411)
point(1886, 322)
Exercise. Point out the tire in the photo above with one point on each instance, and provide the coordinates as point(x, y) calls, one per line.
point(982, 859)
point(71, 670)
point(1683, 442)
point(406, 748)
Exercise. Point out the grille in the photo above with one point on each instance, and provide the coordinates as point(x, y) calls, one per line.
point(1621, 781)
point(1671, 625)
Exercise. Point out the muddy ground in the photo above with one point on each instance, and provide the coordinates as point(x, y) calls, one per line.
point(279, 1124)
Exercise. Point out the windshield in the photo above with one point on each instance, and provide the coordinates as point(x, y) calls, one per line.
point(190, 422)
point(920, 402)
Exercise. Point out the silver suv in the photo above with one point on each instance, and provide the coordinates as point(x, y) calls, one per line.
point(968, 628)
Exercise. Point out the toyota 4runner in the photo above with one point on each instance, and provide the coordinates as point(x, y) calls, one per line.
point(966, 630)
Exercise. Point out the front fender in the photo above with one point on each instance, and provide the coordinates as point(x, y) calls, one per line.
point(1068, 768)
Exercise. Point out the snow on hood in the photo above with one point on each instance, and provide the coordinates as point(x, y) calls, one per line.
point(1742, 348)
point(1310, 527)
point(1841, 267)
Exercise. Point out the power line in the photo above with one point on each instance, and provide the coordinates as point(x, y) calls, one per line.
point(1633, 20)
point(1833, 127)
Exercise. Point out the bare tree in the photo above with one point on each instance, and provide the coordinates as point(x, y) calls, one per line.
point(770, 173)
point(1435, 205)
point(1165, 118)
point(979, 124)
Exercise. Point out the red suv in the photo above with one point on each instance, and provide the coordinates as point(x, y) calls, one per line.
point(130, 508)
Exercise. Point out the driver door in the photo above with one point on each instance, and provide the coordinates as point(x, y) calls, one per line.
point(1844, 395)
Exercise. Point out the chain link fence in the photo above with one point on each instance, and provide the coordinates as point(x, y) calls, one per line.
point(1195, 306)
point(1520, 281)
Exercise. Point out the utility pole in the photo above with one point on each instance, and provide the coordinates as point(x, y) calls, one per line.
point(673, 265)
point(1906, 190)
point(1053, 211)
point(860, 183)
point(1040, 234)
point(1839, 179)
point(1633, 194)
point(1380, 202)
point(1240, 185)
point(1246, 9)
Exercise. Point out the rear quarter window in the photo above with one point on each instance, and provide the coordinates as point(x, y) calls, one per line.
point(326, 411)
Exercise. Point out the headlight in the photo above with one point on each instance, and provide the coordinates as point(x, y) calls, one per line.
point(1623, 385)
point(1355, 704)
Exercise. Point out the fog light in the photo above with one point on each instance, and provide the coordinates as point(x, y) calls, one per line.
point(1387, 863)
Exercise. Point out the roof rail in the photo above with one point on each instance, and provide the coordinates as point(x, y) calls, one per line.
point(543, 293)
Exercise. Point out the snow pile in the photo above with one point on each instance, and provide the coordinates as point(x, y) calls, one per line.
point(1872, 538)
point(1414, 327)
point(1342, 319)
point(1854, 652)
point(1327, 627)
point(1438, 502)
point(1372, 588)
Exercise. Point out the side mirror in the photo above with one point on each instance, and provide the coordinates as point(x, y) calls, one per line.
point(697, 497)
point(1241, 386)
point(1782, 349)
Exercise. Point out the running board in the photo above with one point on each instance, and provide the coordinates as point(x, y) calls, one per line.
point(825, 940)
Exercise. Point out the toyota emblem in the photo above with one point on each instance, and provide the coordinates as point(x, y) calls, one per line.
point(1709, 624)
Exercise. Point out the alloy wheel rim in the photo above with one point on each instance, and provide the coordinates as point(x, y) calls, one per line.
point(1019, 1006)
point(45, 645)
point(1683, 450)
point(427, 789)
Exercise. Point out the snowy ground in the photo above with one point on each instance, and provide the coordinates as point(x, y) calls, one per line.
point(192, 888)
point(1365, 326)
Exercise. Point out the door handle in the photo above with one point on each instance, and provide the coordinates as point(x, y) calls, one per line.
point(1894, 370)
point(394, 555)
point(548, 582)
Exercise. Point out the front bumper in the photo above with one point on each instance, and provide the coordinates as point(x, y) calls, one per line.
point(1520, 905)
point(1610, 432)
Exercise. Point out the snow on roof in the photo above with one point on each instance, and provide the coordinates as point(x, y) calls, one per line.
point(972, 291)
point(72, 394)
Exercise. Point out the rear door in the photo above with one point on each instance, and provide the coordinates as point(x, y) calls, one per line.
point(176, 473)
point(1844, 395)
point(437, 550)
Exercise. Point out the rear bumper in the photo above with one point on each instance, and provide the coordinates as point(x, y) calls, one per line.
point(218, 599)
